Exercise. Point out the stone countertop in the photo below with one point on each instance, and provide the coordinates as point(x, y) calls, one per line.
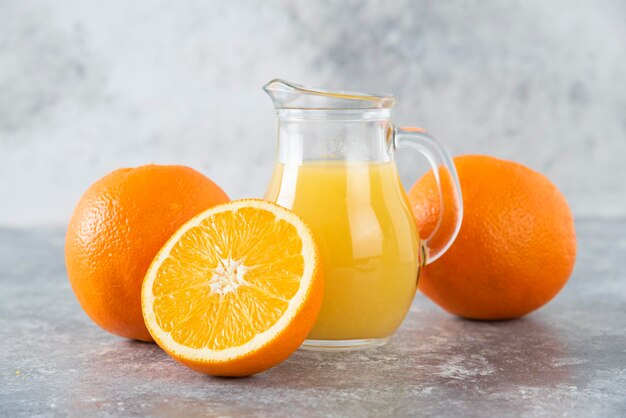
point(568, 358)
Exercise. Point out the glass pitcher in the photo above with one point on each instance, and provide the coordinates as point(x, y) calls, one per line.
point(335, 168)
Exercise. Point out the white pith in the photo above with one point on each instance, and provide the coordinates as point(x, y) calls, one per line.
point(230, 276)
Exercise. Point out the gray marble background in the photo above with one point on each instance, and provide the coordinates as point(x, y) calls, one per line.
point(87, 87)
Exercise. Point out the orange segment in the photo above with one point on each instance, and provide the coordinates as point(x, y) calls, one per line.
point(235, 290)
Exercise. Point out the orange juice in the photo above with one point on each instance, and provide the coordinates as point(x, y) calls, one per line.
point(370, 248)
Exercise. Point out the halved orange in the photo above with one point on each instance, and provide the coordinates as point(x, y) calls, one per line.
point(235, 290)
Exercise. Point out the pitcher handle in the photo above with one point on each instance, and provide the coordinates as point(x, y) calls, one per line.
point(447, 180)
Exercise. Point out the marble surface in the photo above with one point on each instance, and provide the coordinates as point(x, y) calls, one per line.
point(567, 359)
point(87, 87)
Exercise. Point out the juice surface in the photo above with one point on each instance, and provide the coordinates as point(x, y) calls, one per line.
point(366, 234)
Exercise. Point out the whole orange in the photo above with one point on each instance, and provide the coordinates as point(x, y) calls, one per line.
point(516, 247)
point(117, 228)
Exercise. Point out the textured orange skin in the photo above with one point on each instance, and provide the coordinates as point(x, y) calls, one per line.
point(117, 228)
point(274, 351)
point(516, 247)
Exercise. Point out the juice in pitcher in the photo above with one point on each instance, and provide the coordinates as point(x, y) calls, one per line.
point(367, 239)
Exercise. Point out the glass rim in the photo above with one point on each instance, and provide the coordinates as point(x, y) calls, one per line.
point(287, 95)
point(334, 114)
